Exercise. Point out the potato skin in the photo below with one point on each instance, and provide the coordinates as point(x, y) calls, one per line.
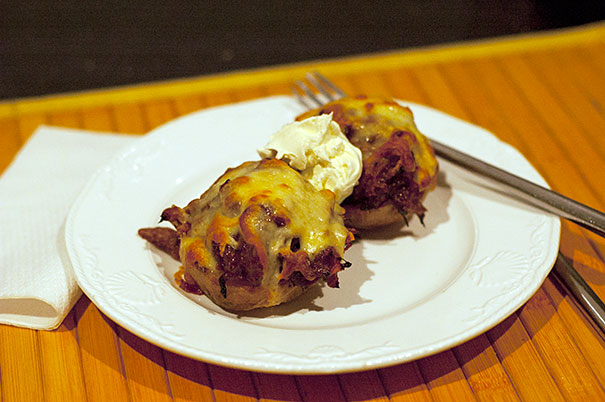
point(260, 236)
point(399, 165)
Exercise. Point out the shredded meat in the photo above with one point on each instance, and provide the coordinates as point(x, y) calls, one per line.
point(298, 269)
point(241, 265)
point(388, 177)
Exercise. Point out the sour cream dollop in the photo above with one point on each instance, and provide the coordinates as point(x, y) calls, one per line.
point(318, 149)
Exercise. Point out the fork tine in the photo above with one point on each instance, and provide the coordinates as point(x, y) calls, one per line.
point(317, 92)
point(323, 89)
point(329, 84)
point(309, 94)
point(301, 98)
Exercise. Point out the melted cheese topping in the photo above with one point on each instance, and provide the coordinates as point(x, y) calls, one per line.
point(251, 202)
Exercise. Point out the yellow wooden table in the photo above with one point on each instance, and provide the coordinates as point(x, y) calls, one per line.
point(543, 93)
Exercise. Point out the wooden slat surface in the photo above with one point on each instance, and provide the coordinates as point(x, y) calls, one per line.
point(543, 94)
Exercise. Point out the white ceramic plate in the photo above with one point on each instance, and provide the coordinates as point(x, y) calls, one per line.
point(411, 292)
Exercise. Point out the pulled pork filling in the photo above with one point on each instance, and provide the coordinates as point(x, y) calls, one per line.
point(388, 176)
point(300, 270)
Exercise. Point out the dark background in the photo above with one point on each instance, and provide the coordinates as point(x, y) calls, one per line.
point(58, 46)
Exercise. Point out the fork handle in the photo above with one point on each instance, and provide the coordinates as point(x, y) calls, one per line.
point(579, 289)
point(539, 196)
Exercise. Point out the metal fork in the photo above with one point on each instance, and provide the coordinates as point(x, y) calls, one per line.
point(318, 90)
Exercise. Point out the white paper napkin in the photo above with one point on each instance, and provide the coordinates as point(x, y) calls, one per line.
point(37, 286)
